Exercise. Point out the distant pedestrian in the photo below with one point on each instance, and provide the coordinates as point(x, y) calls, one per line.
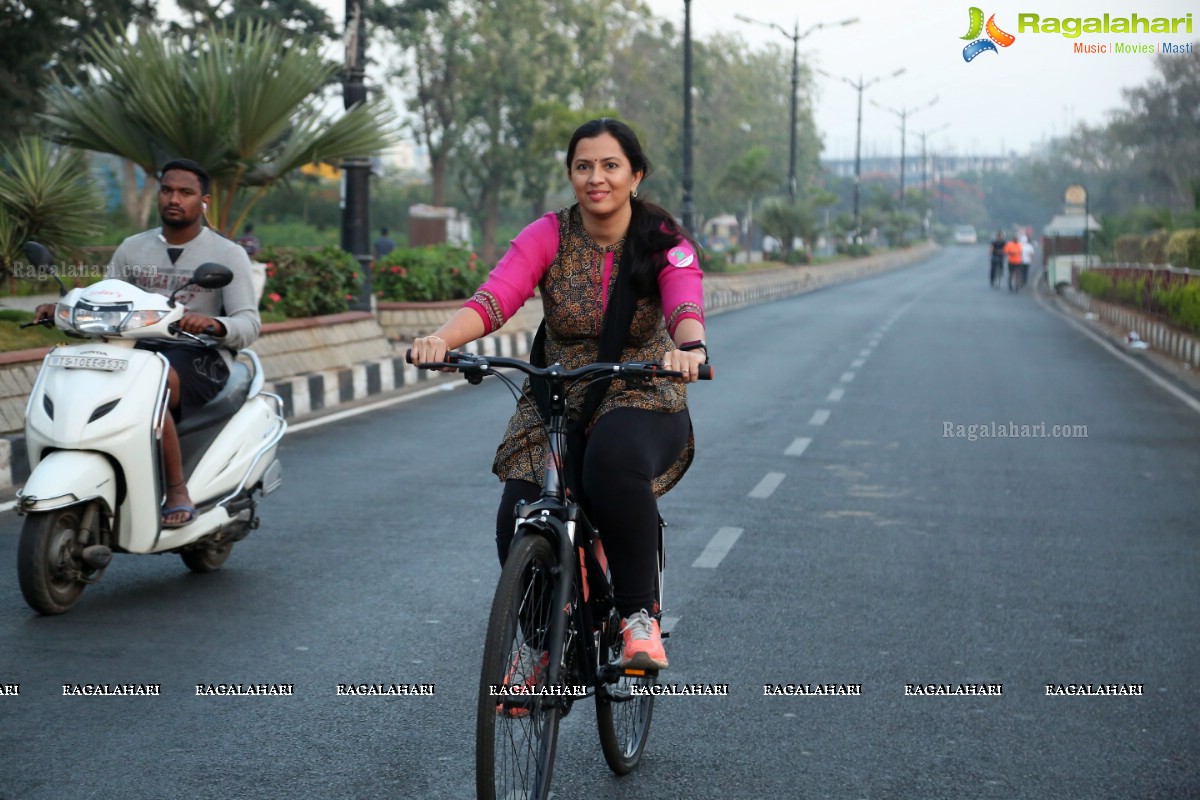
point(1014, 253)
point(383, 245)
point(249, 241)
point(998, 245)
point(1026, 258)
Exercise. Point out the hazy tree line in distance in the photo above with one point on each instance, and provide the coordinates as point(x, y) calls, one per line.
point(492, 91)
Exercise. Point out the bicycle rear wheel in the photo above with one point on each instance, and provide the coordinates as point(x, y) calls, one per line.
point(516, 735)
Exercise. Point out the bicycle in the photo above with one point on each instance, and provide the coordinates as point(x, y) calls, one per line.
point(553, 634)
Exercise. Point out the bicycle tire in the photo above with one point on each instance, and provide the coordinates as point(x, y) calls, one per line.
point(622, 719)
point(516, 740)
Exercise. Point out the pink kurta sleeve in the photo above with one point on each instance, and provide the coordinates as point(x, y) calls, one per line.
point(515, 277)
point(680, 283)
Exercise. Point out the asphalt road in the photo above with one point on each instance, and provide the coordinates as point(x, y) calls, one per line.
point(869, 549)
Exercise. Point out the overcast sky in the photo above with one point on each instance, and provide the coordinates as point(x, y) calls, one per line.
point(1001, 101)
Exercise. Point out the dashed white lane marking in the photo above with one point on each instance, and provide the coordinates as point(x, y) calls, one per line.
point(797, 447)
point(835, 394)
point(847, 377)
point(718, 548)
point(819, 417)
point(866, 351)
point(858, 362)
point(767, 485)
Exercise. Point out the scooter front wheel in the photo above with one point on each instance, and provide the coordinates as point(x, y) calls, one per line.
point(50, 565)
point(206, 559)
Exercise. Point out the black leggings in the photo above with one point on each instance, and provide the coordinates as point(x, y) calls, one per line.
point(627, 448)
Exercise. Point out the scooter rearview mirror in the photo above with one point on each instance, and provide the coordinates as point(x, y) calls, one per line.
point(212, 276)
point(38, 256)
point(208, 275)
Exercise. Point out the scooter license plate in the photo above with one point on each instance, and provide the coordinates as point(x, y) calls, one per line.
point(88, 362)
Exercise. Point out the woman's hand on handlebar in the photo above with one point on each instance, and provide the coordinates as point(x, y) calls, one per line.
point(686, 361)
point(430, 349)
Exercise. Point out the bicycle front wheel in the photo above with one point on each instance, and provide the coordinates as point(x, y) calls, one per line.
point(516, 730)
point(623, 710)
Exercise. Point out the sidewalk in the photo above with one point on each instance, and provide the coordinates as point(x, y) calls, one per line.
point(1175, 372)
point(28, 303)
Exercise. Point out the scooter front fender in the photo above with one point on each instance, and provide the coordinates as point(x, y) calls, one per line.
point(66, 477)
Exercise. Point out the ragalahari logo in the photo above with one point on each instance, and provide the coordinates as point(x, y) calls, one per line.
point(995, 36)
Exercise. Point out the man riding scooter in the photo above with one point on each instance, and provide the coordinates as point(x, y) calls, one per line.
point(162, 259)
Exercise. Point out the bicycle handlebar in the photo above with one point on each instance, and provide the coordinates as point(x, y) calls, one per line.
point(465, 362)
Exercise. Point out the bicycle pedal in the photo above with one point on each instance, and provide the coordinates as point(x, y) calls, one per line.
point(639, 673)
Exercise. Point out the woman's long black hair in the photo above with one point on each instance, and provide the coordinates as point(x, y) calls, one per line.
point(652, 229)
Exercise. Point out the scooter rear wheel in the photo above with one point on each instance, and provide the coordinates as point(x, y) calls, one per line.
point(50, 566)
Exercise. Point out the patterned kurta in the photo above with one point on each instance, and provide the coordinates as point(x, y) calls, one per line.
point(573, 306)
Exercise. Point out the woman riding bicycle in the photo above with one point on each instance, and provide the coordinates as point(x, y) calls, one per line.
point(619, 281)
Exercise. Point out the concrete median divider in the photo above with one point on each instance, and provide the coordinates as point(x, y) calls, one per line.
point(319, 364)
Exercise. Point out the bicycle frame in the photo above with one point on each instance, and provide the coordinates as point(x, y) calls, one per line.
point(573, 620)
point(558, 518)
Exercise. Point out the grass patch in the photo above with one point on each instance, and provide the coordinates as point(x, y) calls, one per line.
point(13, 337)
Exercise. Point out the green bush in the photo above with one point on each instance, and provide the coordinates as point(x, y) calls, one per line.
point(308, 283)
point(1097, 284)
point(1182, 304)
point(1154, 247)
point(854, 249)
point(1130, 247)
point(1130, 292)
point(295, 234)
point(436, 272)
point(1183, 248)
point(712, 261)
point(798, 256)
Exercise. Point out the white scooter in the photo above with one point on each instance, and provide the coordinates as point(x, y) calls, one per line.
point(93, 430)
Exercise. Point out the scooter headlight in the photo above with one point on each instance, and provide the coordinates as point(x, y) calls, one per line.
point(99, 320)
point(143, 319)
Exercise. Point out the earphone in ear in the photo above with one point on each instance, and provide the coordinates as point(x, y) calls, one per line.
point(204, 206)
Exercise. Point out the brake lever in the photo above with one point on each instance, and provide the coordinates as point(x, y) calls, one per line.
point(48, 322)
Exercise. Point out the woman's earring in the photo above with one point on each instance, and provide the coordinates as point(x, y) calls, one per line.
point(634, 191)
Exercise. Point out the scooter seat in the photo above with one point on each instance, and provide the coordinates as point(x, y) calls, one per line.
point(224, 405)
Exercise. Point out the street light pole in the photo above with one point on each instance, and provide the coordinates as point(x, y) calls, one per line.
point(689, 207)
point(795, 36)
point(356, 171)
point(903, 114)
point(795, 93)
point(859, 87)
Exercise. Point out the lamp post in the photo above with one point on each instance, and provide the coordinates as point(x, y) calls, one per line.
point(356, 171)
point(859, 87)
point(903, 114)
point(795, 36)
point(924, 172)
point(689, 206)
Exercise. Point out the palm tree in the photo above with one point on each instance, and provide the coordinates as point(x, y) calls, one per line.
point(45, 195)
point(241, 103)
point(745, 179)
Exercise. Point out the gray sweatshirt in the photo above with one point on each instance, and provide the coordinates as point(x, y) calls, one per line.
point(143, 260)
